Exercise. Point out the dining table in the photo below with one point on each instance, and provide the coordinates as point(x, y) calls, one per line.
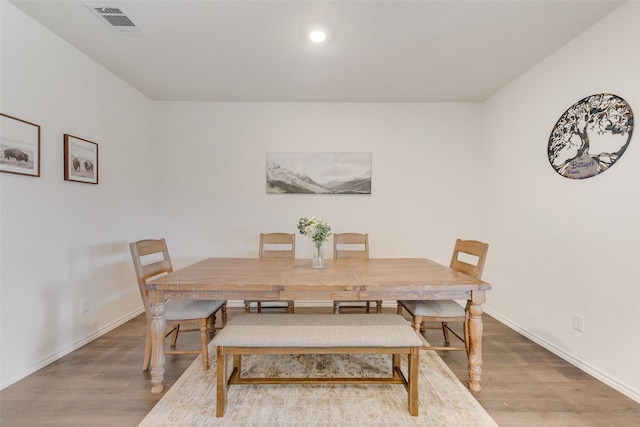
point(273, 279)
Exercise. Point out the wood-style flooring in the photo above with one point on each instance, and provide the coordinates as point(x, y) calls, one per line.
point(102, 384)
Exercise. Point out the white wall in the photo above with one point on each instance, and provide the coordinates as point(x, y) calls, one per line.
point(211, 175)
point(65, 242)
point(561, 246)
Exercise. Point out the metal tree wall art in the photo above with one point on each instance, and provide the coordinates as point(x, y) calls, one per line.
point(590, 136)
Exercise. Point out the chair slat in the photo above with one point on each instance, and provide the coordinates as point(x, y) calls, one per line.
point(275, 245)
point(353, 246)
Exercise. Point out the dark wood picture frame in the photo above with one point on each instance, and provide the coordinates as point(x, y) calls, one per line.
point(80, 160)
point(19, 146)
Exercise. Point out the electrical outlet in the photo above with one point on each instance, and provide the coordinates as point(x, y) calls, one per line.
point(578, 322)
point(84, 306)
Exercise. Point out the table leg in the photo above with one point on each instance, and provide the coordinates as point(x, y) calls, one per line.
point(475, 339)
point(158, 327)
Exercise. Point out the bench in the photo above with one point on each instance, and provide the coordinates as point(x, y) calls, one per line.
point(317, 334)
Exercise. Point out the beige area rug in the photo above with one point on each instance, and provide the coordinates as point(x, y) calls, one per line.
point(444, 400)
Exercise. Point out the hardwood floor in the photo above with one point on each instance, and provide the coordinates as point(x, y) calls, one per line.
point(102, 383)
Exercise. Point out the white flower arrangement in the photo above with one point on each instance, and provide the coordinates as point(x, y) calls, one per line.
point(314, 228)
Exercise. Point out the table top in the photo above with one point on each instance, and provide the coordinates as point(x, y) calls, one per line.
point(350, 279)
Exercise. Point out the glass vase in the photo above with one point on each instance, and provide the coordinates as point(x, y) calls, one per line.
point(317, 261)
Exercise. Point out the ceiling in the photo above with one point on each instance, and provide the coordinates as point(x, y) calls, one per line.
point(378, 51)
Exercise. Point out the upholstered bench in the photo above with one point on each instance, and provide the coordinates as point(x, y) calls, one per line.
point(318, 334)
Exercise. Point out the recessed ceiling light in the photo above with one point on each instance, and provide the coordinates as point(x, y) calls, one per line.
point(317, 36)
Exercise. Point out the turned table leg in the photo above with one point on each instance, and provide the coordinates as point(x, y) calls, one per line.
point(475, 339)
point(158, 327)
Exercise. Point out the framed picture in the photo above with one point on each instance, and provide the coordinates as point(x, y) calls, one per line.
point(19, 146)
point(318, 173)
point(80, 160)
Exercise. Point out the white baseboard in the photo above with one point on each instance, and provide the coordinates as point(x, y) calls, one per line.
point(76, 345)
point(594, 372)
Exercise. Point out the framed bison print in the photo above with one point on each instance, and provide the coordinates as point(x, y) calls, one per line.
point(80, 160)
point(19, 146)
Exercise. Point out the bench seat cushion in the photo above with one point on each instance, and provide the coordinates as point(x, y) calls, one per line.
point(317, 330)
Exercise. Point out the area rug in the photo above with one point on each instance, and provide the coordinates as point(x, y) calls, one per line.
point(444, 400)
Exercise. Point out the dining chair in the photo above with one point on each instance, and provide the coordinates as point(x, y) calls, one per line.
point(151, 259)
point(274, 245)
point(352, 245)
point(465, 252)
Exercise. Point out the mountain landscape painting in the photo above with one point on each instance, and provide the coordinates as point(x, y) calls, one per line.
point(318, 173)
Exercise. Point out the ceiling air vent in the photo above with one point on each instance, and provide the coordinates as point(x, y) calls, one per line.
point(116, 18)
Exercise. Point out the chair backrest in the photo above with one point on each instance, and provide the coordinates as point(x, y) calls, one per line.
point(350, 245)
point(473, 248)
point(150, 259)
point(277, 245)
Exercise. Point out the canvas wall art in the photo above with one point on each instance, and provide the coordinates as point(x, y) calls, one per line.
point(318, 173)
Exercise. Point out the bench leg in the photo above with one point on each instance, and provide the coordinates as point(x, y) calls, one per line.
point(412, 389)
point(204, 342)
point(237, 364)
point(395, 365)
point(221, 381)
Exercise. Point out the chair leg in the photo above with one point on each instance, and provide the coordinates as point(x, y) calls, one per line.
point(378, 306)
point(174, 335)
point(211, 323)
point(290, 306)
point(247, 306)
point(465, 327)
point(336, 308)
point(417, 322)
point(399, 310)
point(224, 315)
point(204, 338)
point(445, 332)
point(147, 350)
point(259, 310)
point(367, 307)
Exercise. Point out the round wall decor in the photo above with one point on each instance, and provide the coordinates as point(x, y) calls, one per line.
point(590, 136)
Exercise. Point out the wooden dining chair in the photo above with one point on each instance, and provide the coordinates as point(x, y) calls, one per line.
point(151, 259)
point(445, 311)
point(274, 245)
point(352, 245)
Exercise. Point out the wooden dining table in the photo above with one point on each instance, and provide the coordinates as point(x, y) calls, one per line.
point(273, 279)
